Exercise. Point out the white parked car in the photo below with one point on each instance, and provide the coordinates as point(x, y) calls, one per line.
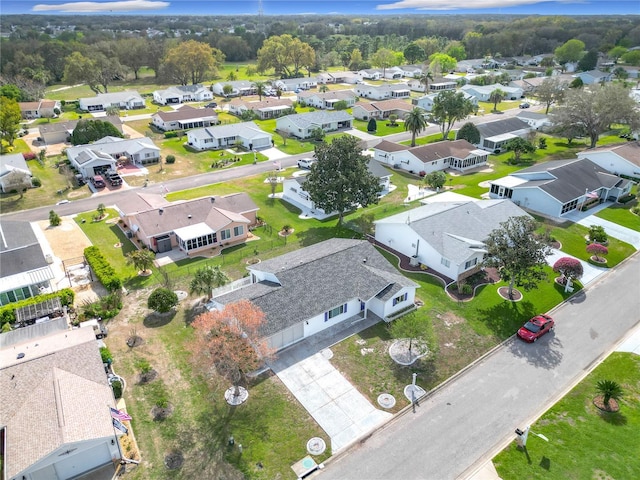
point(306, 163)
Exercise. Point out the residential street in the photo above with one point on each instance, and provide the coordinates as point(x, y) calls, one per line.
point(472, 417)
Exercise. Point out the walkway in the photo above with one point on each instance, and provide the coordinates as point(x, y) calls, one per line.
point(334, 403)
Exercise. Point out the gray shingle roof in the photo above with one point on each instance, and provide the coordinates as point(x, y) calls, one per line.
point(316, 279)
point(499, 127)
point(304, 120)
point(19, 249)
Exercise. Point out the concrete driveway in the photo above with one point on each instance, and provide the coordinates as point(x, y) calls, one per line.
point(591, 272)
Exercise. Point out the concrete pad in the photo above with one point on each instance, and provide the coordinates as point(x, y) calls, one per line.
point(334, 384)
point(295, 378)
point(332, 419)
point(312, 397)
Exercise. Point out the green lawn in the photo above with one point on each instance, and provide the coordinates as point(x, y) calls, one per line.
point(584, 443)
point(622, 215)
point(383, 127)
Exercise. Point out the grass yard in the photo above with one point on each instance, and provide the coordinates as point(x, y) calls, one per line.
point(584, 443)
point(383, 127)
point(622, 215)
point(503, 106)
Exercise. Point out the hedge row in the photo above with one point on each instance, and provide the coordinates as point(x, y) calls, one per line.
point(8, 312)
point(103, 270)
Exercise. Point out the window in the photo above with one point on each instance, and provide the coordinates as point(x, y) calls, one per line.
point(238, 231)
point(335, 312)
point(567, 207)
point(445, 262)
point(225, 234)
point(400, 299)
point(470, 263)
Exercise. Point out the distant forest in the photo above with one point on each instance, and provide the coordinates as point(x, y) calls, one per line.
point(35, 47)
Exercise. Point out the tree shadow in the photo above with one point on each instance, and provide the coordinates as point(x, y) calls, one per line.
point(579, 297)
point(613, 418)
point(503, 318)
point(157, 320)
point(545, 353)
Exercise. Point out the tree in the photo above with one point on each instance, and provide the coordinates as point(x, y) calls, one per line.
point(570, 268)
point(54, 219)
point(449, 107)
point(227, 89)
point(340, 105)
point(496, 97)
point(142, 260)
point(598, 251)
point(413, 53)
point(517, 254)
point(230, 340)
point(260, 89)
point(88, 131)
point(595, 109)
point(355, 60)
point(383, 58)
point(162, 300)
point(620, 73)
point(632, 57)
point(323, 88)
point(609, 389)
point(10, 117)
point(597, 234)
point(410, 326)
point(101, 209)
point(570, 51)
point(340, 180)
point(550, 91)
point(415, 123)
point(424, 78)
point(11, 91)
point(617, 52)
point(206, 279)
point(519, 146)
point(393, 119)
point(191, 61)
point(456, 50)
point(96, 70)
point(113, 110)
point(132, 52)
point(436, 180)
point(589, 61)
point(372, 126)
point(318, 134)
point(286, 55)
point(470, 133)
point(439, 63)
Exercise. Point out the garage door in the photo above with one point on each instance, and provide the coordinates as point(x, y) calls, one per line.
point(83, 461)
point(287, 337)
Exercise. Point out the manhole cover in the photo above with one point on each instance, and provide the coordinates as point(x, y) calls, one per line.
point(386, 400)
point(316, 446)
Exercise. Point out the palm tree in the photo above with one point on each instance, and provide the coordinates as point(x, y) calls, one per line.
point(323, 88)
point(496, 97)
point(415, 123)
point(260, 88)
point(424, 79)
point(206, 278)
point(141, 259)
point(609, 389)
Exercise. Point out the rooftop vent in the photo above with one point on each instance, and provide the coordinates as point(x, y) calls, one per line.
point(189, 216)
point(161, 211)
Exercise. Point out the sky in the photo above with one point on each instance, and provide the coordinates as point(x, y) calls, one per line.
point(290, 7)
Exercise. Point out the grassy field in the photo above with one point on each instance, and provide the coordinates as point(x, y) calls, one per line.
point(584, 443)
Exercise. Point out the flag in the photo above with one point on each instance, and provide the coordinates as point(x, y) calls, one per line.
point(118, 424)
point(593, 194)
point(118, 415)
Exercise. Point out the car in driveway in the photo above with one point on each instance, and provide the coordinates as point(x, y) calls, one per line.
point(525, 105)
point(306, 163)
point(536, 327)
point(211, 105)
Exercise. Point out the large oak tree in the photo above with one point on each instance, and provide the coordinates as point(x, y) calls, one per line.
point(191, 61)
point(286, 55)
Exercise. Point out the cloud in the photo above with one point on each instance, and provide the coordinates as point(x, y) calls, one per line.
point(97, 7)
point(461, 4)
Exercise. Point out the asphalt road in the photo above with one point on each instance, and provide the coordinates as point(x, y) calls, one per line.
point(471, 418)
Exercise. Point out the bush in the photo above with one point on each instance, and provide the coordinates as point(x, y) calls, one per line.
point(106, 355)
point(117, 389)
point(629, 197)
point(107, 307)
point(170, 134)
point(597, 234)
point(29, 156)
point(36, 182)
point(103, 270)
point(162, 300)
point(170, 159)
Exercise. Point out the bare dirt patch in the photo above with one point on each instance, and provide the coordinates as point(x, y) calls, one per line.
point(67, 240)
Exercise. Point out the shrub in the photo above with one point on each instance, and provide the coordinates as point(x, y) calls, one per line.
point(117, 389)
point(568, 267)
point(170, 134)
point(636, 210)
point(54, 219)
point(629, 197)
point(597, 234)
point(103, 270)
point(29, 156)
point(162, 300)
point(143, 365)
point(106, 355)
point(105, 307)
point(170, 159)
point(36, 182)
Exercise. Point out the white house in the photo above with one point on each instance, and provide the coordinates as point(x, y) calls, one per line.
point(302, 125)
point(39, 109)
point(293, 84)
point(494, 135)
point(370, 74)
point(536, 120)
point(483, 92)
point(103, 154)
point(458, 155)
point(127, 100)
point(447, 237)
point(314, 288)
point(559, 187)
point(327, 100)
point(184, 118)
point(382, 109)
point(268, 108)
point(293, 191)
point(181, 94)
point(426, 101)
point(411, 71)
point(383, 92)
point(26, 270)
point(12, 166)
point(56, 401)
point(338, 77)
point(248, 134)
point(594, 76)
point(621, 159)
point(239, 88)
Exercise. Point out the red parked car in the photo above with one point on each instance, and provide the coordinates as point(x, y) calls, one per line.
point(536, 327)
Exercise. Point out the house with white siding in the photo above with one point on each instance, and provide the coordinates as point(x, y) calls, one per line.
point(494, 135)
point(184, 118)
point(127, 100)
point(621, 159)
point(247, 134)
point(13, 167)
point(383, 92)
point(239, 88)
point(458, 155)
point(426, 101)
point(40, 109)
point(382, 109)
point(483, 92)
point(317, 287)
point(302, 125)
point(181, 94)
point(327, 100)
point(270, 107)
